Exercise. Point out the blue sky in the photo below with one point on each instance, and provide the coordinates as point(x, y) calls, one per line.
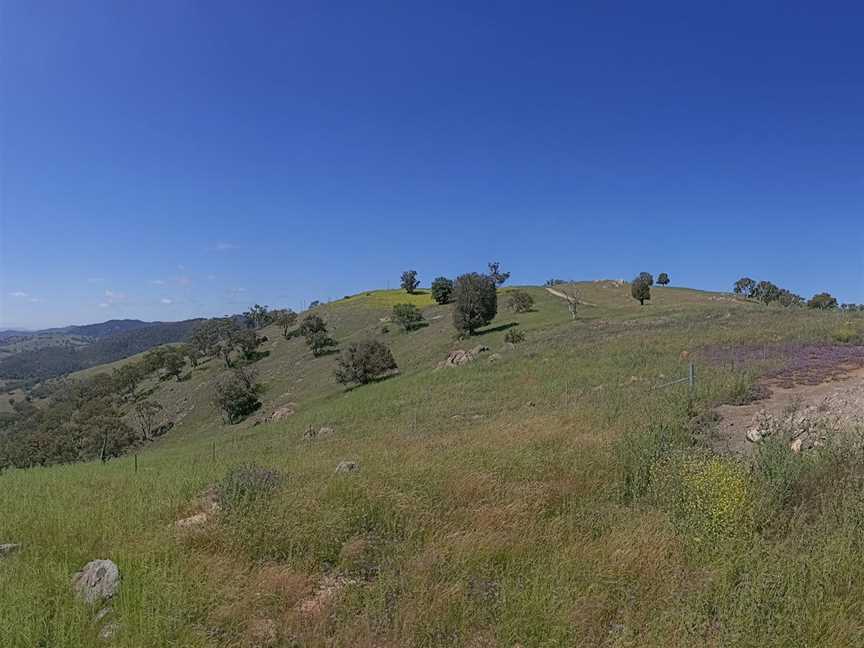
point(170, 159)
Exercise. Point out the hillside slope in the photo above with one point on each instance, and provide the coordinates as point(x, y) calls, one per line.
point(548, 495)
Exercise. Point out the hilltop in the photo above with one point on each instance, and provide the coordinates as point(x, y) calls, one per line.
point(546, 493)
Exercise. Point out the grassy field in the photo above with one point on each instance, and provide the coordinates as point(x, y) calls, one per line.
point(550, 497)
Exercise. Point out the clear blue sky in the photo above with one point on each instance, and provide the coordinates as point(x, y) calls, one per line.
point(168, 159)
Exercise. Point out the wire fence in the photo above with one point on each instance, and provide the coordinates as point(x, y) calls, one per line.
point(690, 379)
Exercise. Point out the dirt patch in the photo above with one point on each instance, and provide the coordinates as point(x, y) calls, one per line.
point(806, 414)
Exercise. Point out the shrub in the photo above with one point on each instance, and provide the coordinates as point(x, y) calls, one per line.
point(847, 334)
point(514, 336)
point(320, 343)
point(640, 288)
point(365, 361)
point(442, 290)
point(407, 316)
point(520, 301)
point(663, 279)
point(410, 281)
point(246, 484)
point(312, 324)
point(476, 302)
point(237, 395)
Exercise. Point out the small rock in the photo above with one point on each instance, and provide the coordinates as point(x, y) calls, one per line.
point(754, 435)
point(531, 404)
point(495, 357)
point(99, 580)
point(281, 413)
point(348, 467)
point(796, 445)
point(9, 548)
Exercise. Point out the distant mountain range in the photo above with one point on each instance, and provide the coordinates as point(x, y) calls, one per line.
point(47, 353)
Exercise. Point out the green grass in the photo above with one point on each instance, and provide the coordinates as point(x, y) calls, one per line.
point(490, 509)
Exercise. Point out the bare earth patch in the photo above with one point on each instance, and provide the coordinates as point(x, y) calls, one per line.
point(808, 412)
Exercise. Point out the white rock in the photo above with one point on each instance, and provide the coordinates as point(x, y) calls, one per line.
point(99, 580)
point(754, 435)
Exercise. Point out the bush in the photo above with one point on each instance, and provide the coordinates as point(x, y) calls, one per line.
point(365, 361)
point(320, 343)
point(442, 290)
point(847, 334)
point(312, 324)
point(520, 301)
point(407, 316)
point(476, 301)
point(246, 484)
point(237, 395)
point(514, 336)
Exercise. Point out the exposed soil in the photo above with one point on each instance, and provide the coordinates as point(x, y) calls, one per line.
point(807, 403)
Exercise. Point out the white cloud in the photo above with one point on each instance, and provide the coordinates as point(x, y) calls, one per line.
point(165, 300)
point(112, 297)
point(19, 294)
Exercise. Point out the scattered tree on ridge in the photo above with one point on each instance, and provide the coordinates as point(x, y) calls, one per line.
point(495, 273)
point(640, 288)
point(285, 318)
point(766, 292)
point(442, 290)
point(744, 286)
point(173, 363)
point(257, 316)
point(647, 277)
point(364, 361)
point(822, 301)
point(236, 394)
point(476, 302)
point(663, 279)
point(146, 414)
point(410, 281)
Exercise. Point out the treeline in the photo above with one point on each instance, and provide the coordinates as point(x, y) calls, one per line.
point(770, 293)
point(94, 418)
point(51, 362)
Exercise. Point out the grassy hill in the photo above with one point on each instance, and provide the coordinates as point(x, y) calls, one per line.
point(544, 496)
